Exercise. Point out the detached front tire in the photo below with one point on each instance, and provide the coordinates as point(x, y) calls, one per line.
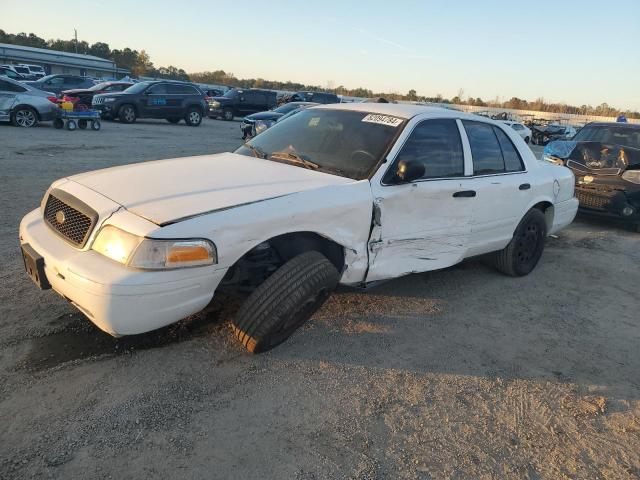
point(284, 301)
point(522, 254)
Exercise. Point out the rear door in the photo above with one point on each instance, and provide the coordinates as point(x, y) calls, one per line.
point(500, 183)
point(425, 224)
point(8, 96)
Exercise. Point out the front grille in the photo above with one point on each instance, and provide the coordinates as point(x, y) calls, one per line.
point(69, 217)
point(592, 200)
point(97, 100)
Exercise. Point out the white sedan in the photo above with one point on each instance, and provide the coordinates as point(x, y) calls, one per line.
point(345, 193)
point(520, 129)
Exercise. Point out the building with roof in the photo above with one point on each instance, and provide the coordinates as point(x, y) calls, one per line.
point(58, 62)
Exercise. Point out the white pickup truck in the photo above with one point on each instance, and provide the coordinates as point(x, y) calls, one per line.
point(349, 194)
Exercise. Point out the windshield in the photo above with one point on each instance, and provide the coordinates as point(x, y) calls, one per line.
point(341, 142)
point(137, 88)
point(99, 86)
point(612, 134)
point(22, 70)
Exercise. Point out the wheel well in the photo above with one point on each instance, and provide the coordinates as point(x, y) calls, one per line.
point(194, 105)
point(265, 258)
point(546, 208)
point(24, 105)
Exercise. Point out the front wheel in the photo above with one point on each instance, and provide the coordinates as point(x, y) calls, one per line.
point(127, 114)
point(193, 118)
point(71, 125)
point(284, 301)
point(227, 114)
point(524, 250)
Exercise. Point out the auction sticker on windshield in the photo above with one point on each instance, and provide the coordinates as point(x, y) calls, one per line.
point(382, 119)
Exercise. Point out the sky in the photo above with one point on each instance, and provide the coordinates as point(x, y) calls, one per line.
point(572, 51)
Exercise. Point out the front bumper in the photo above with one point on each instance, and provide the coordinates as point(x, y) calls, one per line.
point(609, 202)
point(118, 299)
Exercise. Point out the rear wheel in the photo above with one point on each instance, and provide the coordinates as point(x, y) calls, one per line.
point(71, 125)
point(82, 124)
point(95, 125)
point(284, 301)
point(522, 254)
point(24, 117)
point(193, 118)
point(127, 114)
point(58, 123)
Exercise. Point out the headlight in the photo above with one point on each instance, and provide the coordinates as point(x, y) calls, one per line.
point(109, 99)
point(632, 176)
point(214, 104)
point(261, 125)
point(153, 254)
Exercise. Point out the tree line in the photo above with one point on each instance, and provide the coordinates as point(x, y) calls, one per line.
point(140, 64)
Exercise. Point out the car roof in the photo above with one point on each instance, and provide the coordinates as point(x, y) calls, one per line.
point(402, 110)
point(609, 124)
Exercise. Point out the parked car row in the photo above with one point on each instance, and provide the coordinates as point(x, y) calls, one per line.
point(26, 72)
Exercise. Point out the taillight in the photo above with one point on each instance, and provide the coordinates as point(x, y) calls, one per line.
point(207, 98)
point(67, 99)
point(52, 99)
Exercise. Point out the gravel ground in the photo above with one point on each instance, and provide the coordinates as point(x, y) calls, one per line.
point(459, 373)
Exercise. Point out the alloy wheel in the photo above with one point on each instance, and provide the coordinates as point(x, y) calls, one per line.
point(25, 118)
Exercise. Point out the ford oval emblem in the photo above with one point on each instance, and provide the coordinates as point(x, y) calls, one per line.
point(60, 218)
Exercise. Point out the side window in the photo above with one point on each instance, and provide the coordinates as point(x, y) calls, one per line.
point(181, 89)
point(437, 145)
point(485, 149)
point(160, 89)
point(512, 159)
point(249, 97)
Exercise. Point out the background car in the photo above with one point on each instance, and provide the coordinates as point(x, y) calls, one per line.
point(6, 71)
point(84, 96)
point(605, 160)
point(268, 118)
point(240, 101)
point(23, 105)
point(58, 83)
point(170, 100)
point(37, 71)
point(317, 97)
point(523, 131)
point(24, 71)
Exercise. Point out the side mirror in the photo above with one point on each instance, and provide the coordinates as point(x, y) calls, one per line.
point(408, 171)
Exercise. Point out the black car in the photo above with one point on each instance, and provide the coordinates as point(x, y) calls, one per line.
point(57, 83)
point(170, 100)
point(237, 102)
point(269, 117)
point(543, 134)
point(316, 97)
point(605, 159)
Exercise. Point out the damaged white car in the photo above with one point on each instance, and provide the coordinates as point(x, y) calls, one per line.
point(349, 194)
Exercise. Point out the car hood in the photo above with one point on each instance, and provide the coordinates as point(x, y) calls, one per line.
point(264, 116)
point(166, 191)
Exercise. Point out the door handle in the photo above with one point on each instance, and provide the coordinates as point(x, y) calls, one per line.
point(524, 186)
point(465, 194)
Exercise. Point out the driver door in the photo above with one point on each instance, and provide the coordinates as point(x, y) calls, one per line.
point(154, 101)
point(424, 224)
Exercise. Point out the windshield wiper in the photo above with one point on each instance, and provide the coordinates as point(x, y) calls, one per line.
point(295, 158)
point(256, 151)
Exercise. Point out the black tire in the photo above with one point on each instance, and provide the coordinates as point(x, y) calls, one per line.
point(173, 119)
point(71, 125)
point(522, 254)
point(284, 301)
point(25, 117)
point(526, 139)
point(95, 125)
point(58, 123)
point(227, 114)
point(193, 117)
point(82, 124)
point(127, 114)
